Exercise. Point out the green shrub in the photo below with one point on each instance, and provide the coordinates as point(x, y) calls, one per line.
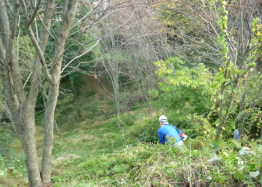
point(94, 108)
point(89, 94)
point(185, 94)
point(144, 132)
point(128, 119)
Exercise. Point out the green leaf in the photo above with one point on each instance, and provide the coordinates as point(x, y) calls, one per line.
point(255, 21)
point(252, 166)
point(219, 9)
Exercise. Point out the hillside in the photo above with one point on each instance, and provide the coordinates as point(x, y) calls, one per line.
point(90, 89)
point(94, 152)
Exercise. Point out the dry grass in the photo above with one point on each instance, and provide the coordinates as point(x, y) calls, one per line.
point(17, 145)
point(93, 85)
point(86, 124)
point(12, 181)
point(87, 137)
point(82, 138)
point(65, 157)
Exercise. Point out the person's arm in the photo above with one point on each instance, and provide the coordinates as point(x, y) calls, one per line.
point(161, 137)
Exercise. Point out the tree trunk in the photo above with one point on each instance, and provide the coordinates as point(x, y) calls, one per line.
point(242, 116)
point(260, 132)
point(48, 133)
point(116, 90)
point(22, 112)
point(22, 104)
point(219, 128)
point(242, 113)
point(69, 11)
point(223, 117)
point(27, 119)
point(118, 113)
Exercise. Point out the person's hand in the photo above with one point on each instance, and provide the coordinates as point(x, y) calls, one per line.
point(183, 136)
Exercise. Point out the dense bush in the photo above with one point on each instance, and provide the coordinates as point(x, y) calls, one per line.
point(184, 94)
point(144, 132)
point(128, 119)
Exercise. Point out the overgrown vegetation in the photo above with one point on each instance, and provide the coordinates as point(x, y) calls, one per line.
point(197, 62)
point(95, 152)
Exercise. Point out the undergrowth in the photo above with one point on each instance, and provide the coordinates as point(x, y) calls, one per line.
point(94, 152)
point(157, 165)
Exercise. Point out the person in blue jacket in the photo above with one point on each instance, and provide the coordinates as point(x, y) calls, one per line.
point(236, 135)
point(168, 131)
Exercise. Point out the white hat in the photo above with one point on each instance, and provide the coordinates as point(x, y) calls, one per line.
point(162, 118)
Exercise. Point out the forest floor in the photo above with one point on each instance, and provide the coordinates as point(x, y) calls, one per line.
point(94, 152)
point(74, 144)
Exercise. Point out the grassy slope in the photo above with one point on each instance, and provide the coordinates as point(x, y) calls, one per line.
point(74, 143)
point(94, 152)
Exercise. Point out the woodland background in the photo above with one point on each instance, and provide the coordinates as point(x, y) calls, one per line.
point(83, 83)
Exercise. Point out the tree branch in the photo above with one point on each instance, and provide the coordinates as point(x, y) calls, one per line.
point(44, 26)
point(35, 43)
point(29, 22)
point(80, 56)
point(39, 53)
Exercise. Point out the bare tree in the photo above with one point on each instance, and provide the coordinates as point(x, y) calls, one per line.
point(113, 55)
point(145, 44)
point(21, 103)
point(132, 48)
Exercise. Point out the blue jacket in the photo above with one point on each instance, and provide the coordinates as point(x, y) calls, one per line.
point(170, 131)
point(236, 134)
